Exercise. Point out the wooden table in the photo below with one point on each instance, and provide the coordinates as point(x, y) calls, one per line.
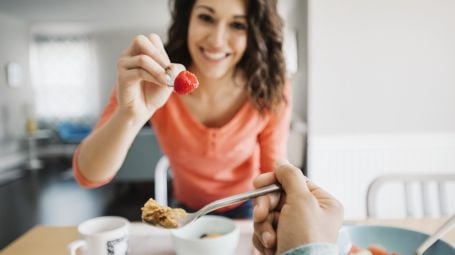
point(50, 240)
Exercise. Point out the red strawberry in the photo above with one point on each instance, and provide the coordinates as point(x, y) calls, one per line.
point(185, 82)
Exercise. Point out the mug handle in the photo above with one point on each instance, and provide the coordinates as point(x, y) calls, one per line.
point(75, 245)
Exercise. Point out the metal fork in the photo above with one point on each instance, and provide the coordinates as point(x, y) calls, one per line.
point(444, 228)
point(191, 217)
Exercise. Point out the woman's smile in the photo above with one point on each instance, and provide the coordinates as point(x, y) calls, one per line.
point(214, 56)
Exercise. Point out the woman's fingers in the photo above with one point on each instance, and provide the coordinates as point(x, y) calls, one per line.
point(172, 70)
point(136, 46)
point(137, 74)
point(148, 53)
point(144, 45)
point(146, 63)
point(156, 40)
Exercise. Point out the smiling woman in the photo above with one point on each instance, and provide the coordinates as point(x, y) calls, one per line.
point(252, 37)
point(221, 135)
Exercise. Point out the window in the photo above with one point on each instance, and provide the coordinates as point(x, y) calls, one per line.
point(64, 77)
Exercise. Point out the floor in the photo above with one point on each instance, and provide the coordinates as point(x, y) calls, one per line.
point(51, 196)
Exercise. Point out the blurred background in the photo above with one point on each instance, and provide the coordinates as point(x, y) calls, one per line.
point(373, 93)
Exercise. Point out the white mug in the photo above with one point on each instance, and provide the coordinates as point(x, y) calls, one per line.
point(107, 235)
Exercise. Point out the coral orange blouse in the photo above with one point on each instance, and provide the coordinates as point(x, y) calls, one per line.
point(212, 163)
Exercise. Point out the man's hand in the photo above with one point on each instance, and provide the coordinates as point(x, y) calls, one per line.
point(304, 213)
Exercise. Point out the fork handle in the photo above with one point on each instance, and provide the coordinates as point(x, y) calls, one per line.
point(240, 197)
point(436, 236)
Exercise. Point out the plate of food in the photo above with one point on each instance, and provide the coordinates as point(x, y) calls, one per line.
point(386, 240)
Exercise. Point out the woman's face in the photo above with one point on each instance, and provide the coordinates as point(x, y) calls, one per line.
point(217, 36)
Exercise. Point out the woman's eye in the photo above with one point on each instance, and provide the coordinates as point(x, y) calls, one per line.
point(205, 18)
point(238, 26)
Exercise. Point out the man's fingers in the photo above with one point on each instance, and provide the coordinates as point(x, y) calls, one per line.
point(264, 205)
point(261, 209)
point(265, 231)
point(264, 179)
point(291, 178)
point(325, 198)
point(262, 250)
point(258, 244)
point(281, 161)
point(317, 191)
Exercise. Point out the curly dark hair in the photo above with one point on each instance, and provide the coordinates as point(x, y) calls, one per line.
point(263, 61)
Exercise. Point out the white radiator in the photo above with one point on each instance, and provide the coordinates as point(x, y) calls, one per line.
point(345, 165)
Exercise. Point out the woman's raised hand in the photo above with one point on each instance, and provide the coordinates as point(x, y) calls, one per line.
point(143, 74)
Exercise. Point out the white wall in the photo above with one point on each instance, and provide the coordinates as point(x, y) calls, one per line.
point(381, 66)
point(381, 77)
point(13, 101)
point(293, 13)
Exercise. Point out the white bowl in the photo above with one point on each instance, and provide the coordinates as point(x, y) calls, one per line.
point(187, 240)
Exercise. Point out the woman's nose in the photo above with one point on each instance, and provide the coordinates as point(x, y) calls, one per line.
point(218, 35)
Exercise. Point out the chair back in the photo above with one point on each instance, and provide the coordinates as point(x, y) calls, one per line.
point(161, 177)
point(424, 193)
